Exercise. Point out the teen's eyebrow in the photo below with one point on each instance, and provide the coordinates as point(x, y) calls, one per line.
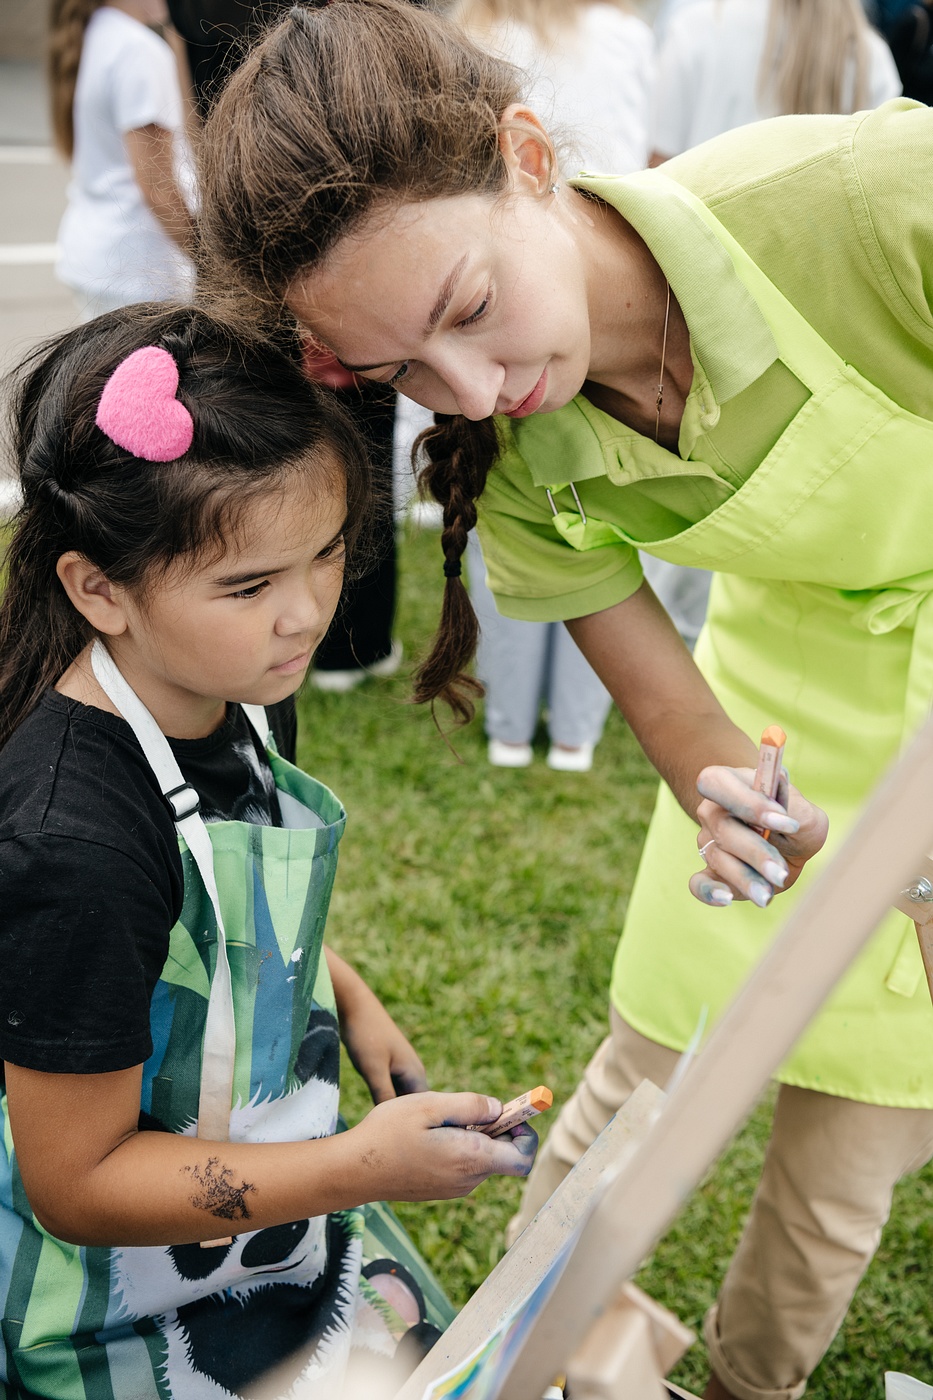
point(435, 315)
point(443, 297)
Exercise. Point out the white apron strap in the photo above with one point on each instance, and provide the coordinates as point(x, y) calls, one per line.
point(219, 1045)
point(259, 720)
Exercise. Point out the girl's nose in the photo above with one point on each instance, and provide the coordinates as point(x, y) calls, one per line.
point(300, 612)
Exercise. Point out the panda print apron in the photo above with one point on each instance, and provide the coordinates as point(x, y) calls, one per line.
point(246, 1049)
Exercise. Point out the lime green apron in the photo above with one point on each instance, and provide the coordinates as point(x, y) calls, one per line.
point(821, 619)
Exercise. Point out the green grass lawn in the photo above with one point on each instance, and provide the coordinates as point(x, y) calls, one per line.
point(483, 905)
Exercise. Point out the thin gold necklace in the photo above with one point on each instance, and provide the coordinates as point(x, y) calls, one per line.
point(667, 317)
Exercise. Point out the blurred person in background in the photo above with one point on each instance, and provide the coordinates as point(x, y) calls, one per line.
point(724, 63)
point(910, 33)
point(217, 34)
point(591, 67)
point(118, 117)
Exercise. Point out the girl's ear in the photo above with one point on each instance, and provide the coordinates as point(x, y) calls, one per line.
point(526, 149)
point(92, 593)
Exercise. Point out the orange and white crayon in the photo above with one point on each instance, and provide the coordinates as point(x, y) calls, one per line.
point(768, 772)
point(518, 1111)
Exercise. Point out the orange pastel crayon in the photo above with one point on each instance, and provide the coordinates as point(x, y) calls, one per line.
point(768, 772)
point(518, 1111)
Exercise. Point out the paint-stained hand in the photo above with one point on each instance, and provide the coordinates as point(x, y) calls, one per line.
point(381, 1053)
point(377, 1048)
point(740, 862)
point(418, 1148)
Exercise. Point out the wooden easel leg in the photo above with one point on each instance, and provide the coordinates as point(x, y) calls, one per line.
point(632, 1344)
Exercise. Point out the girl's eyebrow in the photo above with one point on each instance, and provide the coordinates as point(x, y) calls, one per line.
point(448, 287)
point(237, 580)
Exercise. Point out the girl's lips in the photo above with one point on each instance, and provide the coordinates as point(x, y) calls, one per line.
point(297, 663)
point(533, 401)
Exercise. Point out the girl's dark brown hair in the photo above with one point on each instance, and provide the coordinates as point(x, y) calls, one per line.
point(258, 423)
point(340, 114)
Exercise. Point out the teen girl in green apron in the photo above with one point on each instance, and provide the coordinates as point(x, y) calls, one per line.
point(179, 1213)
point(752, 336)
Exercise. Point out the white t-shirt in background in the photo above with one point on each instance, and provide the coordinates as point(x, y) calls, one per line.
point(708, 72)
point(594, 85)
point(111, 243)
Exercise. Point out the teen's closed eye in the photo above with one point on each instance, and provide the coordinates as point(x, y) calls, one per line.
point(477, 314)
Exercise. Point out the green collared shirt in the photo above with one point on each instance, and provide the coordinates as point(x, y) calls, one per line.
point(835, 211)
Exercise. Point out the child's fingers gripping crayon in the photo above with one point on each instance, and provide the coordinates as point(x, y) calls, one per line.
point(518, 1111)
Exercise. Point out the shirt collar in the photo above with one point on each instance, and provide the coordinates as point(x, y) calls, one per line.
point(728, 333)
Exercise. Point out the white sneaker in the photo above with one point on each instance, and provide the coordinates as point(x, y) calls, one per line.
point(578, 760)
point(509, 755)
point(340, 682)
point(387, 665)
point(337, 682)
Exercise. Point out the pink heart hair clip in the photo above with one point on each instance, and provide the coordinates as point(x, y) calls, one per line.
point(138, 409)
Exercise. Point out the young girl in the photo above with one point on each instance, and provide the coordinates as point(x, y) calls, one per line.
point(727, 362)
point(117, 116)
point(179, 1212)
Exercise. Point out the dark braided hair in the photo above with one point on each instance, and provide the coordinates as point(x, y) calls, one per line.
point(460, 454)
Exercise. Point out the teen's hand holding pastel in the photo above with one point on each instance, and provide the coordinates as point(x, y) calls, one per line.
point(740, 862)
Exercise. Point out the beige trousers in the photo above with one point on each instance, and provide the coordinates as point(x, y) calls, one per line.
point(814, 1224)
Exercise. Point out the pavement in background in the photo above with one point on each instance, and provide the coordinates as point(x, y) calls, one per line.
point(33, 304)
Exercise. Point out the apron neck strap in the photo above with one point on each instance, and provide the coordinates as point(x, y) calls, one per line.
point(217, 1056)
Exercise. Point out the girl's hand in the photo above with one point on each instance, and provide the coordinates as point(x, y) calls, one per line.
point(377, 1048)
point(417, 1149)
point(381, 1053)
point(741, 864)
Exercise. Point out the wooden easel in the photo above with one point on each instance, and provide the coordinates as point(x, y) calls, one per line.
point(590, 1325)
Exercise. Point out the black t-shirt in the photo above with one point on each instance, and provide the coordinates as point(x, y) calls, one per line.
point(91, 877)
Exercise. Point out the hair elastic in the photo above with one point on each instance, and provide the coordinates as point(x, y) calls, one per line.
point(452, 568)
point(138, 409)
point(52, 491)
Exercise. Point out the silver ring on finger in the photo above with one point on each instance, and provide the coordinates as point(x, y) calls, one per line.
point(704, 849)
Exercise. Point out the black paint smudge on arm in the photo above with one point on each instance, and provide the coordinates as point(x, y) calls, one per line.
point(217, 1192)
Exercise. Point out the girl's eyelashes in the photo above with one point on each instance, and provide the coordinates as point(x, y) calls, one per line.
point(400, 373)
point(337, 547)
point(253, 591)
